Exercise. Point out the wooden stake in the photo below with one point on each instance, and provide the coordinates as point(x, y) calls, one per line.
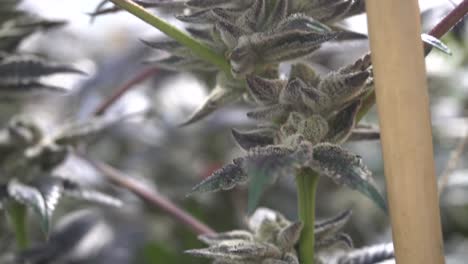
point(403, 106)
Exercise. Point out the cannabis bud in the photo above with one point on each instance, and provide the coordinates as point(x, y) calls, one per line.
point(271, 239)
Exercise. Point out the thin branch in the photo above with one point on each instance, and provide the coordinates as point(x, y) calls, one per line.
point(450, 20)
point(140, 77)
point(151, 197)
point(444, 26)
point(455, 156)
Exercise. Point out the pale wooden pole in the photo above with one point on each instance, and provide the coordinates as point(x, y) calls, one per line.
point(403, 106)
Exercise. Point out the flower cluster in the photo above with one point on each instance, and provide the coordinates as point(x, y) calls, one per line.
point(271, 239)
point(254, 36)
point(301, 122)
point(29, 161)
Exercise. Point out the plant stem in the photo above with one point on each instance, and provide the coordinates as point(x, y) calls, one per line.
point(199, 49)
point(307, 181)
point(18, 216)
point(122, 90)
point(151, 197)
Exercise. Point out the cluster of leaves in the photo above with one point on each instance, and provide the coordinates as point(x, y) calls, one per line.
point(30, 155)
point(254, 36)
point(272, 238)
point(301, 121)
point(20, 72)
point(29, 161)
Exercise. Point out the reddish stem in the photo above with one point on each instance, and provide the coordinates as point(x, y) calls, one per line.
point(450, 20)
point(142, 76)
point(146, 194)
point(152, 197)
point(444, 26)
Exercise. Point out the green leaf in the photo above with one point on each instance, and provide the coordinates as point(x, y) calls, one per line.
point(31, 197)
point(253, 138)
point(263, 166)
point(223, 179)
point(219, 97)
point(18, 214)
point(346, 168)
point(76, 191)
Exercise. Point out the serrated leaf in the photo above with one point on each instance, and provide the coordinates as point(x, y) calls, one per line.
point(74, 132)
point(14, 31)
point(229, 32)
point(51, 191)
point(30, 197)
point(273, 113)
point(346, 168)
point(219, 97)
point(342, 88)
point(341, 125)
point(332, 225)
point(76, 191)
point(253, 138)
point(223, 179)
point(22, 68)
point(435, 43)
point(199, 17)
point(204, 35)
point(361, 64)
point(176, 63)
point(294, 37)
point(28, 90)
point(316, 100)
point(212, 239)
point(335, 239)
point(254, 17)
point(264, 91)
point(368, 255)
point(332, 11)
point(167, 45)
point(280, 11)
point(288, 45)
point(237, 250)
point(301, 22)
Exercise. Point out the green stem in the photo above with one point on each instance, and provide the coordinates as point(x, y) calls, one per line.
point(307, 181)
point(18, 216)
point(199, 49)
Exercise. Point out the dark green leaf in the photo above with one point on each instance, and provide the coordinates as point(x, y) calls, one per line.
point(346, 168)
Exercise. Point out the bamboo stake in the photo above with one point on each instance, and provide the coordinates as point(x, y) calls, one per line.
point(403, 106)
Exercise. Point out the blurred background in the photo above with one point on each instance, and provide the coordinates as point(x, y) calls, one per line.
point(170, 159)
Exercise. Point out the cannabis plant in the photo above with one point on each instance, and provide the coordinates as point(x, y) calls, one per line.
point(302, 120)
point(30, 154)
point(255, 51)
